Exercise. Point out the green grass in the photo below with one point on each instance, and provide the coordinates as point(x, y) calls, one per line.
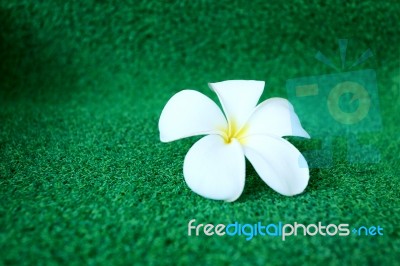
point(84, 177)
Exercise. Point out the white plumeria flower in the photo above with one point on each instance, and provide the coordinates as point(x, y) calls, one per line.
point(214, 167)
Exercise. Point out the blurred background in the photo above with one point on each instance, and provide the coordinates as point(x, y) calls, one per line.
point(84, 178)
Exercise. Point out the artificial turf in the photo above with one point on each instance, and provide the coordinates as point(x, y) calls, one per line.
point(84, 176)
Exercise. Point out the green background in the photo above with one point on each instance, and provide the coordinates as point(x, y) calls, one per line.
point(84, 177)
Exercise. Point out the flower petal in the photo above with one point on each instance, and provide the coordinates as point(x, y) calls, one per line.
point(275, 116)
point(238, 98)
point(190, 113)
point(215, 169)
point(278, 163)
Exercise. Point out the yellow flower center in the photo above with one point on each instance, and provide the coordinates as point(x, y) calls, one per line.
point(233, 132)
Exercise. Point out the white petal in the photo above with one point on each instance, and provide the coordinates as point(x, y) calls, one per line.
point(278, 163)
point(190, 113)
point(238, 98)
point(214, 169)
point(275, 116)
